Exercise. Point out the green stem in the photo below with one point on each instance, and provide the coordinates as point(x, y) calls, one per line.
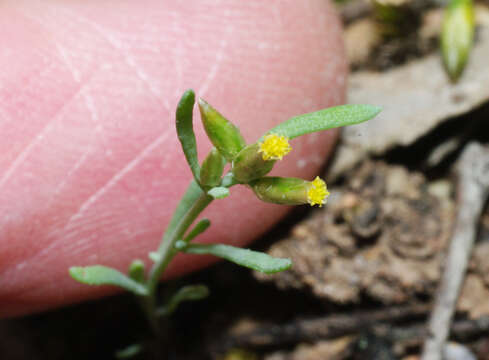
point(168, 251)
point(149, 309)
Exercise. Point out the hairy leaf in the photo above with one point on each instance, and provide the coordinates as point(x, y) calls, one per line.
point(251, 259)
point(185, 131)
point(333, 117)
point(186, 293)
point(198, 229)
point(102, 275)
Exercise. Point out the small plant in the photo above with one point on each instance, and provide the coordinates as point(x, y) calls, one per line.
point(250, 163)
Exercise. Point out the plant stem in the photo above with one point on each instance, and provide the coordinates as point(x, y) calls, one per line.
point(167, 251)
point(147, 304)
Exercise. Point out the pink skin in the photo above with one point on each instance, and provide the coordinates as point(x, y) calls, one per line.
point(90, 165)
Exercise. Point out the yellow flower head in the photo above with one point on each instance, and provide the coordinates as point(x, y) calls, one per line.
point(274, 147)
point(317, 193)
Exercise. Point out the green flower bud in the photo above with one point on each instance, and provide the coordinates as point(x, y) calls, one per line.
point(249, 164)
point(457, 36)
point(221, 132)
point(212, 168)
point(290, 191)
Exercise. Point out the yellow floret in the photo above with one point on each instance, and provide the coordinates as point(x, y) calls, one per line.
point(274, 147)
point(317, 193)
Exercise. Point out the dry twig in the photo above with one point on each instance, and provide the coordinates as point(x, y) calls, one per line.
point(329, 327)
point(473, 178)
point(410, 331)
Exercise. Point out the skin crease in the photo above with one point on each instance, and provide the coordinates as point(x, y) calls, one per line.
point(90, 164)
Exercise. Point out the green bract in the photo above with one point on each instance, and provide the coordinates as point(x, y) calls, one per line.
point(222, 133)
point(291, 191)
point(249, 165)
point(278, 190)
point(212, 168)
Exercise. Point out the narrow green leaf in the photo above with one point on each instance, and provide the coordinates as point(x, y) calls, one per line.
point(191, 293)
point(191, 195)
point(129, 352)
point(251, 259)
point(102, 275)
point(186, 293)
point(333, 117)
point(457, 36)
point(219, 192)
point(185, 131)
point(198, 229)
